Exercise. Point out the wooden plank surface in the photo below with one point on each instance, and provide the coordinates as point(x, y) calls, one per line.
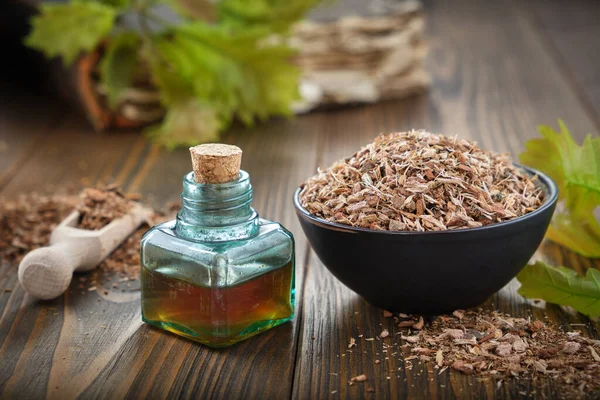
point(571, 34)
point(484, 91)
point(495, 79)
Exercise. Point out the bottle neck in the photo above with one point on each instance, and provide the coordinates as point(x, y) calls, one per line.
point(216, 212)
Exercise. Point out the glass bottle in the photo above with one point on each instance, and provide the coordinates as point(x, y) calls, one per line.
point(218, 274)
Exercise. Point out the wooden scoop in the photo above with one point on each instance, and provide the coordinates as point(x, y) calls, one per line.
point(46, 272)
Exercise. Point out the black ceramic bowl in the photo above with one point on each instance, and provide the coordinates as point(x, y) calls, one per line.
point(429, 272)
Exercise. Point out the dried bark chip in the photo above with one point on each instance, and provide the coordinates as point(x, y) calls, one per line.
point(406, 324)
point(594, 353)
point(422, 350)
point(387, 314)
point(439, 357)
point(385, 333)
point(452, 333)
point(359, 378)
point(537, 325)
point(419, 325)
point(411, 339)
point(569, 348)
point(504, 349)
point(519, 346)
point(541, 366)
point(463, 367)
point(459, 314)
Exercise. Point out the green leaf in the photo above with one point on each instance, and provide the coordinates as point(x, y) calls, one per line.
point(187, 123)
point(271, 15)
point(576, 171)
point(118, 65)
point(235, 73)
point(194, 9)
point(564, 286)
point(114, 3)
point(66, 30)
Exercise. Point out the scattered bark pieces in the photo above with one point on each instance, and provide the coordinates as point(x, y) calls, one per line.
point(27, 222)
point(419, 181)
point(488, 344)
point(385, 333)
point(352, 343)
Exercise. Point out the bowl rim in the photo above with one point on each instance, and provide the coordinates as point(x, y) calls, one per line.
point(544, 179)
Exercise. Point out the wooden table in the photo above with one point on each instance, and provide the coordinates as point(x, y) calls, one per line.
point(500, 68)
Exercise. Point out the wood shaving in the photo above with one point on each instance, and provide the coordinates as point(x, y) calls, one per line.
point(359, 378)
point(419, 325)
point(594, 353)
point(352, 343)
point(439, 357)
point(419, 181)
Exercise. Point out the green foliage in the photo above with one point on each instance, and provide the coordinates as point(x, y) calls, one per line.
point(563, 286)
point(232, 73)
point(187, 124)
point(66, 30)
point(576, 170)
point(207, 72)
point(194, 9)
point(113, 3)
point(275, 15)
point(118, 66)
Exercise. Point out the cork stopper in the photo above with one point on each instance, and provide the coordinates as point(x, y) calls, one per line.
point(216, 163)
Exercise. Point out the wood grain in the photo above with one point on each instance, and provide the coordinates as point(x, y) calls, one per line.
point(570, 34)
point(482, 90)
point(18, 131)
point(495, 79)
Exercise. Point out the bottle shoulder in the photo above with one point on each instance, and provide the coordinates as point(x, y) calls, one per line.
point(163, 250)
point(270, 235)
point(267, 230)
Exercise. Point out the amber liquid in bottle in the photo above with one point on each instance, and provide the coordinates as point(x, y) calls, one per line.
point(226, 314)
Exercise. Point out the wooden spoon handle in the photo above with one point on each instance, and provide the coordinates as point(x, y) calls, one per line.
point(45, 273)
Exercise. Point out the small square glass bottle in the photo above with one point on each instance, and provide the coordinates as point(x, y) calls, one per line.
point(218, 274)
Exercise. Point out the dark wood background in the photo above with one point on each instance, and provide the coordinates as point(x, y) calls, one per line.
point(499, 69)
